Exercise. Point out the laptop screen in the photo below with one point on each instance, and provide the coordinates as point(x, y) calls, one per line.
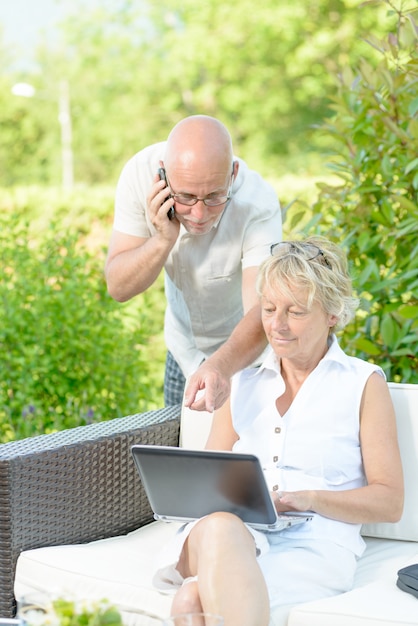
point(188, 484)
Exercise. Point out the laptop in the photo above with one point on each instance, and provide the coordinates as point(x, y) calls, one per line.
point(183, 485)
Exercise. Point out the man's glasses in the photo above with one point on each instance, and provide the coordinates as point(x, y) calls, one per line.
point(308, 251)
point(213, 199)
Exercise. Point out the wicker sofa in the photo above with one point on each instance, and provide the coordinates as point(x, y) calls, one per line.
point(75, 486)
point(78, 490)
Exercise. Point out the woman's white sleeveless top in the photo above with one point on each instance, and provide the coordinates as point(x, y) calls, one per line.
point(315, 444)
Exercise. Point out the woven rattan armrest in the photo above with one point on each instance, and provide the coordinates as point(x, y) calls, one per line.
point(74, 486)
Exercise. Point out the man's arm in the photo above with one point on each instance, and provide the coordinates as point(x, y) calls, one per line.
point(245, 344)
point(134, 263)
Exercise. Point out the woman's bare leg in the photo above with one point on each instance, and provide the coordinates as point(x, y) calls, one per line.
point(221, 552)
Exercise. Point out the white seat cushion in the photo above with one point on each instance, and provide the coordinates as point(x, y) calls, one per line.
point(120, 570)
point(375, 598)
point(380, 603)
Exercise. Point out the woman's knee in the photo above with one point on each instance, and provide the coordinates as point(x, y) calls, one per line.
point(216, 537)
point(220, 527)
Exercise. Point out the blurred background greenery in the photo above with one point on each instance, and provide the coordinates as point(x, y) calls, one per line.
point(133, 69)
point(321, 98)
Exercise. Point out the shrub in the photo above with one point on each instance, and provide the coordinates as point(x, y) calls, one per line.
point(374, 211)
point(68, 613)
point(70, 355)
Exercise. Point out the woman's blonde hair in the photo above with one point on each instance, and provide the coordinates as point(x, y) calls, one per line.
point(316, 265)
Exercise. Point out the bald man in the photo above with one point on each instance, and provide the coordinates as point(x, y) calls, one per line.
point(209, 225)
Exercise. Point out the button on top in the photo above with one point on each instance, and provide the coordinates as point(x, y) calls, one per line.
point(277, 429)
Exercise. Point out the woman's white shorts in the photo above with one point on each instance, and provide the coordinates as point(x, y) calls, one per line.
point(295, 570)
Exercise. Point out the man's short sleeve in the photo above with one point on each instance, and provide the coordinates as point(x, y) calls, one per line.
point(132, 190)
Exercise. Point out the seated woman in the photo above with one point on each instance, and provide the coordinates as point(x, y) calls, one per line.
point(323, 425)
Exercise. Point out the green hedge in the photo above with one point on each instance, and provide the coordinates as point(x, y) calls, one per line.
point(70, 355)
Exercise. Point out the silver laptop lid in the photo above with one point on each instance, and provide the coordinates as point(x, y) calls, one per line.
point(184, 485)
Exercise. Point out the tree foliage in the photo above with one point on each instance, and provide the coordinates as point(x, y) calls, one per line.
point(265, 71)
point(135, 69)
point(374, 211)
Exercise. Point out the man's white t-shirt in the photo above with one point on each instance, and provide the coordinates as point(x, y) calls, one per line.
point(203, 273)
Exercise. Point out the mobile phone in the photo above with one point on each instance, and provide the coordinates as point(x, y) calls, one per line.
point(162, 175)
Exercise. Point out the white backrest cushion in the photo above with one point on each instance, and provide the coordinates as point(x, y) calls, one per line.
point(195, 426)
point(405, 400)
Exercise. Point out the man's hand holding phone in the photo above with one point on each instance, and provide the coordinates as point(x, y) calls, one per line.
point(161, 209)
point(162, 175)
